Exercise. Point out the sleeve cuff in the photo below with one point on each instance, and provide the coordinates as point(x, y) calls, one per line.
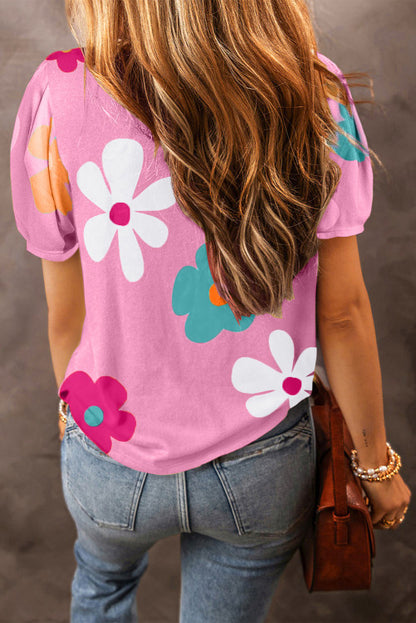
point(54, 256)
point(350, 231)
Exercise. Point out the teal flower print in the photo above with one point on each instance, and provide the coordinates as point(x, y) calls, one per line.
point(194, 293)
point(343, 147)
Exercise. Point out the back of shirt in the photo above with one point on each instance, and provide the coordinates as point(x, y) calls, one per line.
point(164, 377)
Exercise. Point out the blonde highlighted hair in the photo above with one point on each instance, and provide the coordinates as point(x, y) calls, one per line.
point(235, 94)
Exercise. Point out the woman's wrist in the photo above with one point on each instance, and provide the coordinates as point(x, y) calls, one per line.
point(378, 473)
point(372, 456)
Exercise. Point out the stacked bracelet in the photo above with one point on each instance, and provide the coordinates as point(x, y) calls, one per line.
point(62, 411)
point(378, 473)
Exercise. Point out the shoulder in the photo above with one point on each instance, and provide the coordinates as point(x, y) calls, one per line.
point(331, 65)
point(52, 68)
point(336, 70)
point(38, 81)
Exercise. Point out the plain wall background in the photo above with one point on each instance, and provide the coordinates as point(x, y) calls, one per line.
point(36, 530)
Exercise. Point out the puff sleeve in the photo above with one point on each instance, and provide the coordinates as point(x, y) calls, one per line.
point(41, 195)
point(350, 205)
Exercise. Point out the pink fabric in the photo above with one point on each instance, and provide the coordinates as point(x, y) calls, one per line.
point(164, 378)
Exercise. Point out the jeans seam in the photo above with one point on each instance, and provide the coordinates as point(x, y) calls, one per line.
point(181, 498)
point(136, 499)
point(241, 529)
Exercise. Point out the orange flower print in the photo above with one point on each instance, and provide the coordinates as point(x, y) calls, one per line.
point(215, 297)
point(49, 184)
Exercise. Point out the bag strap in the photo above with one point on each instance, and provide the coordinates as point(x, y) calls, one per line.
point(340, 513)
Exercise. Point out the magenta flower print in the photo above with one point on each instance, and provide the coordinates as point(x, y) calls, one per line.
point(96, 408)
point(67, 59)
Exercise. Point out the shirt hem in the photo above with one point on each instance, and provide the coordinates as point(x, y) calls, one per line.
point(174, 467)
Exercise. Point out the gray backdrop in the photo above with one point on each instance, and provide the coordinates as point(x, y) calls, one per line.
point(36, 531)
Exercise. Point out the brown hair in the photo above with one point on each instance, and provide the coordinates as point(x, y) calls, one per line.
point(235, 94)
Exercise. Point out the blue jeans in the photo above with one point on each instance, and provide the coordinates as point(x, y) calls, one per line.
point(240, 517)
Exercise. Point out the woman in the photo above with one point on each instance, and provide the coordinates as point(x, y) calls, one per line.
point(184, 295)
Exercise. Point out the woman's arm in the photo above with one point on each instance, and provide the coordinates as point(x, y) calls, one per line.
point(64, 289)
point(349, 348)
point(348, 342)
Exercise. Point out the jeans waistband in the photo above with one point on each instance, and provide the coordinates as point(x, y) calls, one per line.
point(293, 416)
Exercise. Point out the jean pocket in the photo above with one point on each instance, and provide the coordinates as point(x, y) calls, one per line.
point(106, 490)
point(270, 484)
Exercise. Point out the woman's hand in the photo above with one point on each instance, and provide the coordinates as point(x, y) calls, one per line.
point(388, 499)
point(62, 426)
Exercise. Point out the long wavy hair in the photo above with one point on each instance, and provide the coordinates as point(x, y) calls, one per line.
point(235, 94)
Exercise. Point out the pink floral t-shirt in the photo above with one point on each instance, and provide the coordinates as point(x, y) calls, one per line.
point(164, 378)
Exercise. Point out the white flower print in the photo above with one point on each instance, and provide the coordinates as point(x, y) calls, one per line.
point(122, 161)
point(294, 382)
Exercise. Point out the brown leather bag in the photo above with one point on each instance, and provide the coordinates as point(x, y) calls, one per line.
point(338, 550)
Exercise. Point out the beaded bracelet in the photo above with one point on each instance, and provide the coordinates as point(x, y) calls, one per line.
point(62, 412)
point(378, 473)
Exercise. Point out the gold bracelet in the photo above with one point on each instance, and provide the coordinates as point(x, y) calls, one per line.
point(63, 413)
point(380, 473)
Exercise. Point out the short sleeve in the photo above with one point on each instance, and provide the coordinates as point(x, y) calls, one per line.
point(350, 205)
point(41, 195)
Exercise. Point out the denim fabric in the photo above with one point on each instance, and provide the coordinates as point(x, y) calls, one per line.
point(240, 517)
